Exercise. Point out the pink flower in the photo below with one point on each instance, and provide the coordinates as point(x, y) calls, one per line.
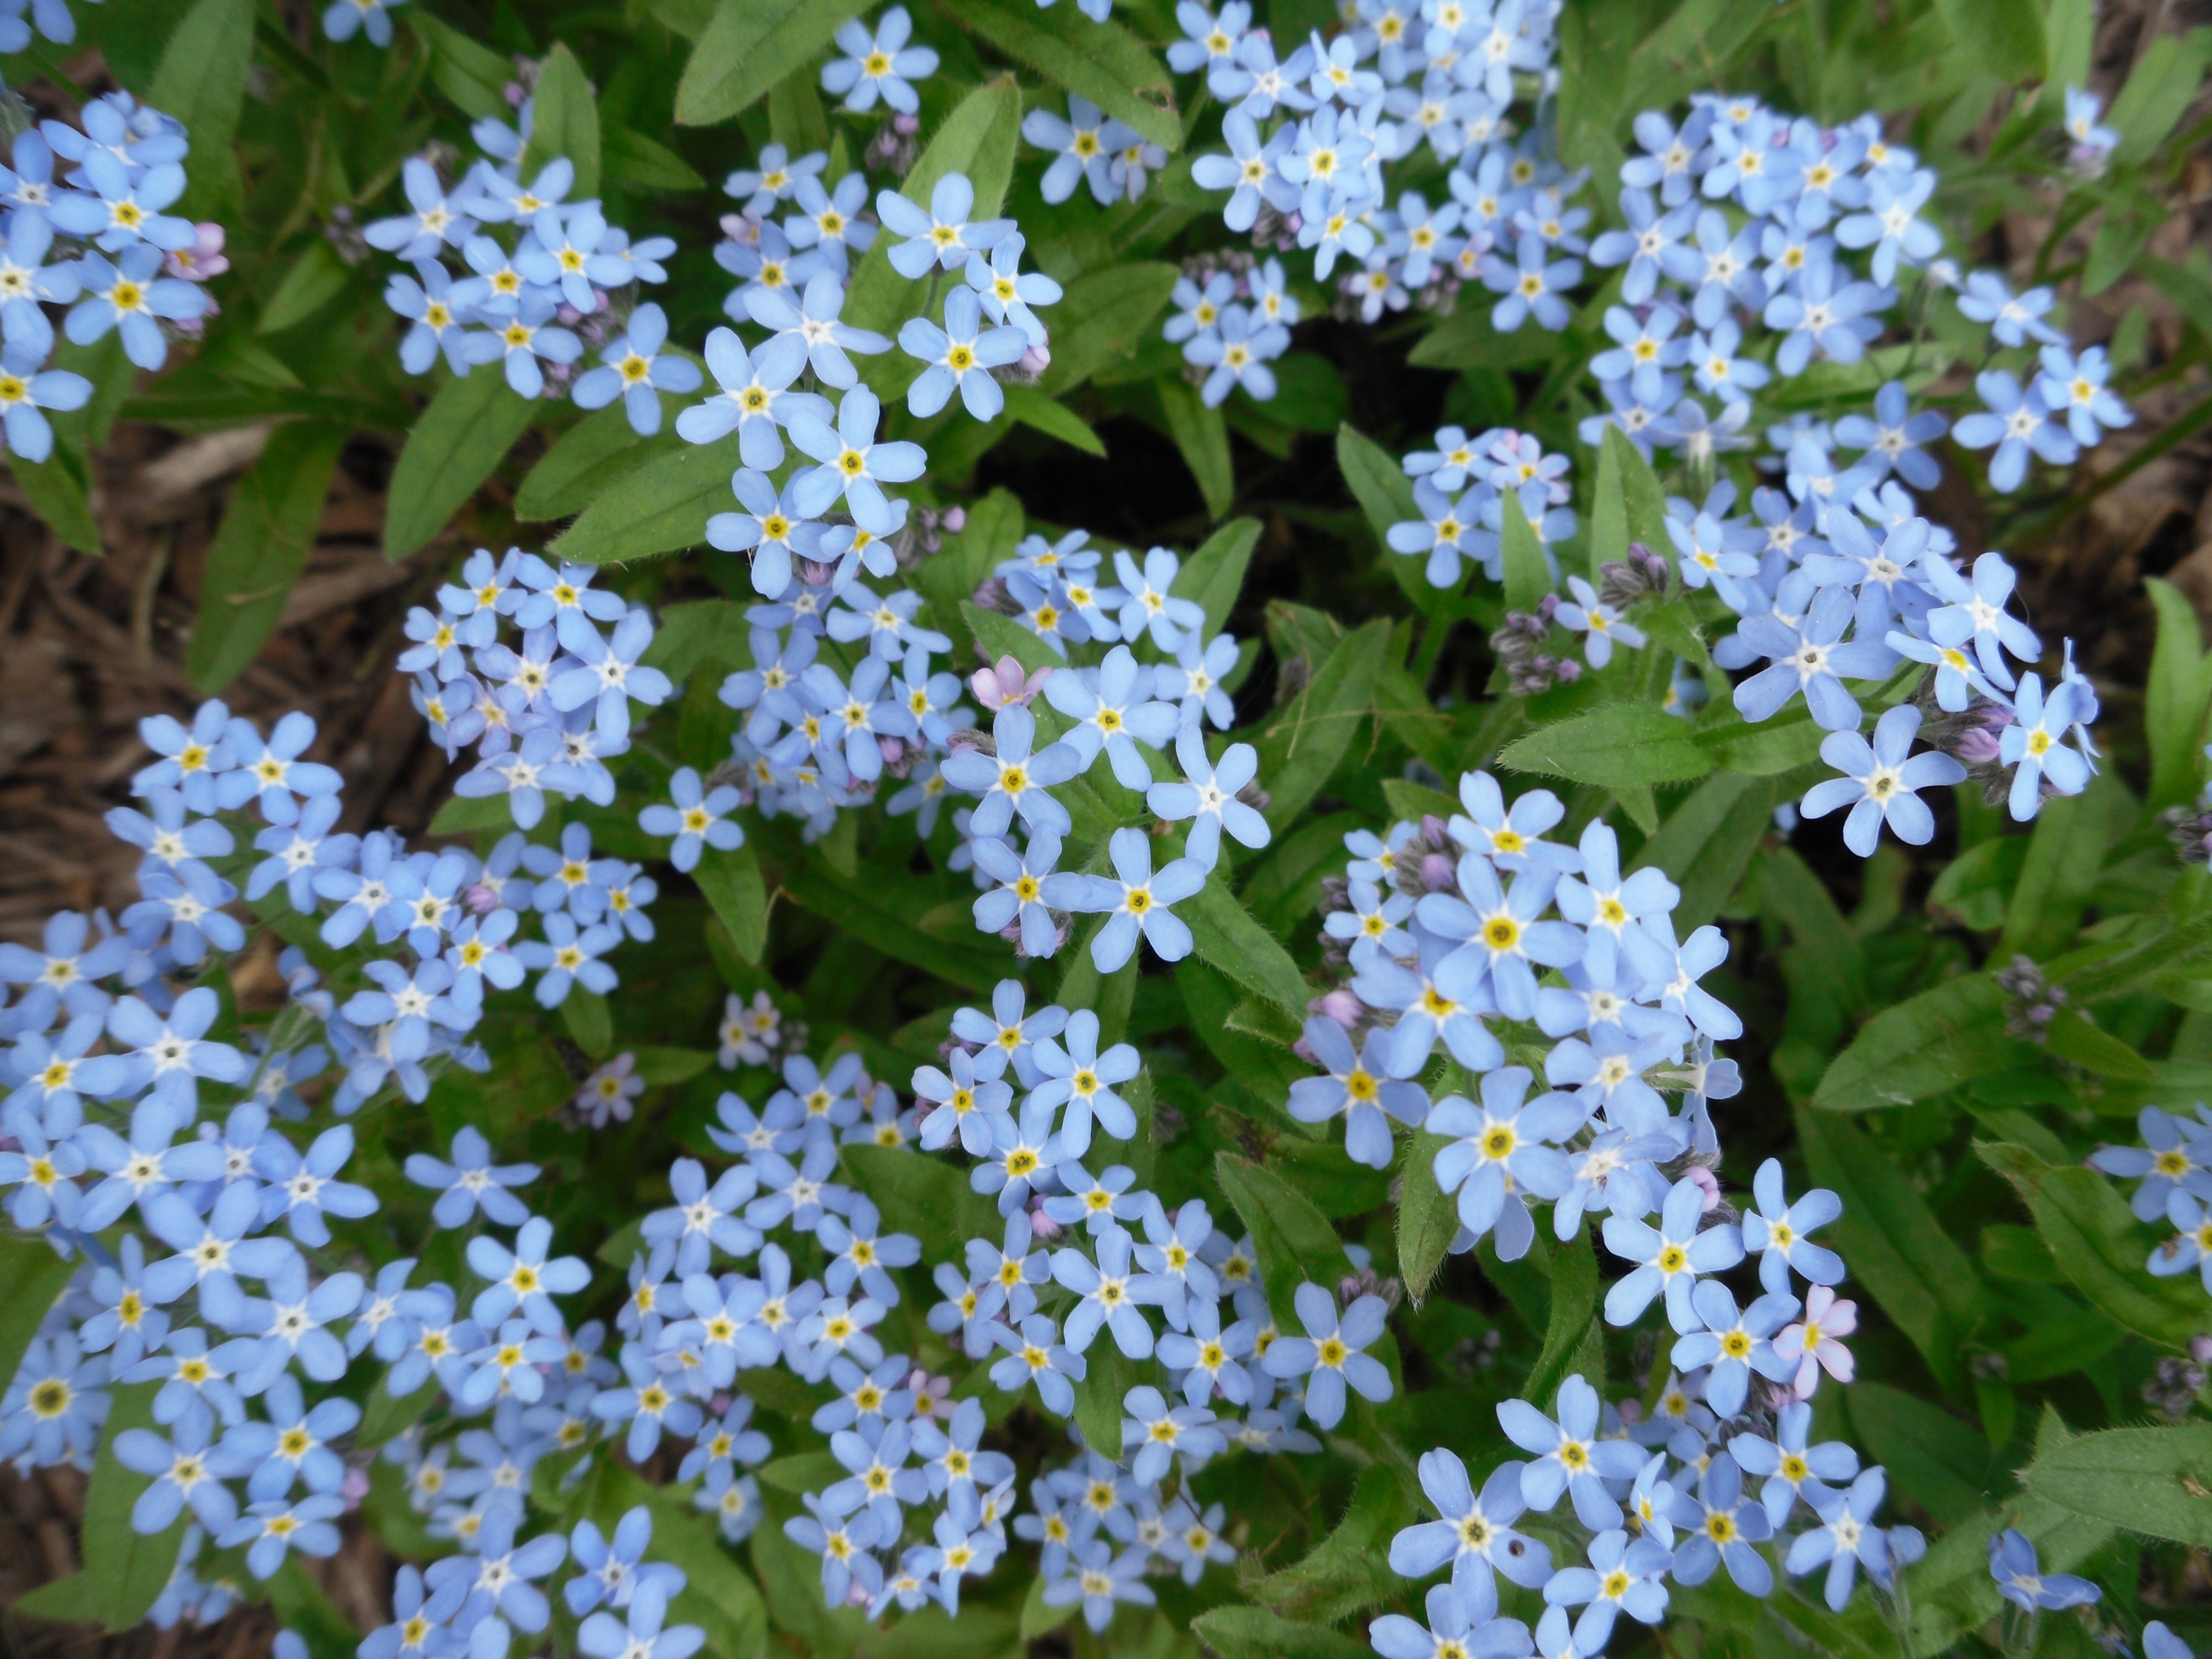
point(1708, 1183)
point(1003, 684)
point(930, 1393)
point(1340, 1005)
point(1812, 1341)
point(202, 259)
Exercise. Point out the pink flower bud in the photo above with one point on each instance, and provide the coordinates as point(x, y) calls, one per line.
point(1438, 872)
point(1707, 1184)
point(1339, 1005)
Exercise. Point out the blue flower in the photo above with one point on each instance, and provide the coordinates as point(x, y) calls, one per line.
point(1017, 899)
point(1621, 1578)
point(697, 820)
point(188, 1469)
point(2016, 423)
point(1330, 1355)
point(1735, 1343)
point(752, 401)
point(304, 1189)
point(64, 973)
point(54, 1405)
point(1111, 1291)
point(1879, 781)
point(1670, 1258)
point(1501, 1149)
point(959, 357)
point(1208, 797)
point(1193, 680)
point(809, 333)
point(291, 1322)
point(1135, 900)
point(635, 370)
point(1501, 929)
point(1889, 224)
point(1723, 1526)
point(121, 213)
point(176, 1052)
point(471, 1181)
point(1460, 1620)
point(529, 335)
point(2083, 109)
point(2034, 745)
point(879, 64)
point(1847, 1539)
point(1532, 284)
point(1097, 1577)
point(1893, 436)
point(127, 1324)
point(1810, 657)
point(1152, 604)
point(1074, 1072)
point(1014, 780)
point(1475, 1534)
point(965, 1103)
point(2076, 386)
point(523, 1278)
point(852, 462)
point(25, 391)
point(1792, 1467)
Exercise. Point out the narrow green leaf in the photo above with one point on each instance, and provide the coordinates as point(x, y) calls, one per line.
point(2065, 857)
point(131, 1567)
point(2174, 700)
point(631, 159)
point(1226, 936)
point(201, 82)
point(1302, 744)
point(2005, 37)
point(733, 884)
point(1924, 1282)
point(1053, 418)
point(1240, 1633)
point(267, 533)
point(317, 278)
point(566, 121)
point(2156, 1481)
point(1000, 636)
point(1293, 1240)
point(58, 494)
point(2158, 94)
point(471, 74)
point(882, 912)
point(1929, 1043)
point(1706, 843)
point(1212, 577)
point(1574, 1304)
point(1614, 745)
point(1203, 437)
point(585, 1016)
point(1934, 1460)
point(2096, 1243)
point(1528, 573)
point(1100, 61)
point(32, 1278)
point(661, 507)
point(590, 457)
point(923, 1195)
point(994, 526)
point(747, 46)
point(451, 449)
point(1643, 501)
point(1428, 1217)
point(1349, 1571)
point(1108, 1375)
point(1109, 312)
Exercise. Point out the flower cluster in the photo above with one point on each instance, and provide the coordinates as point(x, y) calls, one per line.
point(534, 301)
point(136, 266)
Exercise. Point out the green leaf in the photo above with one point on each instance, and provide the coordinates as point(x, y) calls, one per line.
point(1574, 1304)
point(1053, 418)
point(2071, 1037)
point(1239, 1632)
point(1897, 1249)
point(590, 457)
point(1934, 1460)
point(2160, 89)
point(748, 45)
point(132, 1568)
point(268, 530)
point(643, 163)
point(1528, 575)
point(306, 1610)
point(2065, 858)
point(317, 278)
point(566, 121)
point(1428, 1217)
point(386, 1415)
point(1615, 745)
point(473, 76)
point(585, 1015)
point(994, 526)
point(1101, 62)
point(1107, 312)
point(978, 139)
point(2096, 1243)
point(923, 1195)
point(1467, 339)
point(201, 82)
point(2174, 700)
point(2005, 37)
point(883, 911)
point(698, 633)
point(58, 494)
point(2156, 1481)
point(1706, 843)
point(1302, 745)
point(1000, 636)
point(1922, 1046)
point(451, 449)
point(1212, 577)
point(1349, 1571)
point(1227, 937)
point(32, 1280)
point(1202, 435)
point(731, 883)
point(1294, 1241)
point(1644, 500)
point(661, 507)
point(1108, 1377)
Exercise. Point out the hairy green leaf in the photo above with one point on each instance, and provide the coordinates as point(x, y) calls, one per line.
point(451, 449)
point(268, 530)
point(1101, 62)
point(2156, 1481)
